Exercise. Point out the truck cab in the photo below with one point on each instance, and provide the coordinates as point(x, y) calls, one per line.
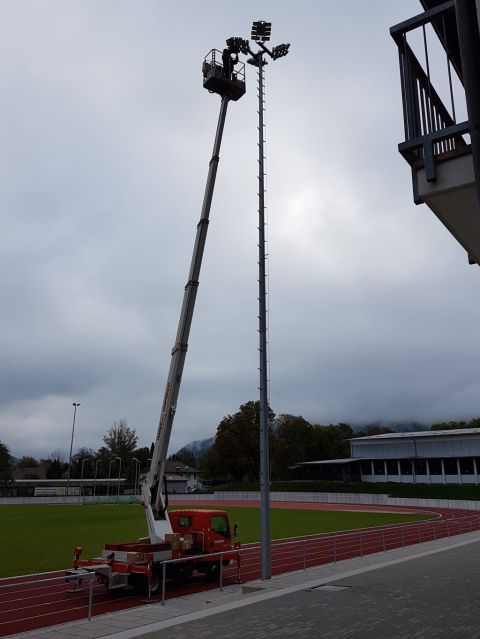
point(209, 529)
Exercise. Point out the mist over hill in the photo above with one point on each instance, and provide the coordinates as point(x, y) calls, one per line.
point(200, 446)
point(397, 427)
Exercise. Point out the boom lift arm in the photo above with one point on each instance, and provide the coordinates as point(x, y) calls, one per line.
point(229, 84)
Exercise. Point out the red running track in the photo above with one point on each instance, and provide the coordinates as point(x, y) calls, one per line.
point(35, 605)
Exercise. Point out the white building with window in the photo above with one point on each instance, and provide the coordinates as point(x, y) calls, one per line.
point(431, 457)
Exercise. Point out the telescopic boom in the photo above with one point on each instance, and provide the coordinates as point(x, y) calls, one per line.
point(230, 84)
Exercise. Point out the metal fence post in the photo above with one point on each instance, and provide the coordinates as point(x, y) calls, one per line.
point(361, 546)
point(334, 550)
point(434, 532)
point(221, 571)
point(90, 596)
point(164, 576)
point(403, 538)
point(383, 540)
point(448, 530)
point(419, 534)
point(304, 555)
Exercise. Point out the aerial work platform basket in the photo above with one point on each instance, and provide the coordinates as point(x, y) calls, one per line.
point(220, 75)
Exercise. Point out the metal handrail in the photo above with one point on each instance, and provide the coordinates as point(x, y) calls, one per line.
point(364, 541)
point(220, 554)
point(430, 129)
point(89, 576)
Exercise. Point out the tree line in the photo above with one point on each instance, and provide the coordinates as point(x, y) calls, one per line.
point(118, 453)
point(235, 452)
point(473, 423)
point(233, 456)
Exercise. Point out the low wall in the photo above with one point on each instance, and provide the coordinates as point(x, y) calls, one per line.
point(334, 498)
point(124, 499)
point(325, 498)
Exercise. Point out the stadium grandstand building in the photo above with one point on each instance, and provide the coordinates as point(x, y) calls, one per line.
point(427, 457)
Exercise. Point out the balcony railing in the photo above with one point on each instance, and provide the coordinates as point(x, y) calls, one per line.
point(432, 132)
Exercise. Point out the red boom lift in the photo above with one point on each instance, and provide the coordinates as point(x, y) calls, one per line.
point(192, 535)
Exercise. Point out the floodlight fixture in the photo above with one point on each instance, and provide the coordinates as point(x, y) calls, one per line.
point(244, 46)
point(261, 31)
point(238, 45)
point(280, 51)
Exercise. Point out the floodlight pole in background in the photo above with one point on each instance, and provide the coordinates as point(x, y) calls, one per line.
point(81, 476)
point(137, 472)
point(95, 482)
point(75, 406)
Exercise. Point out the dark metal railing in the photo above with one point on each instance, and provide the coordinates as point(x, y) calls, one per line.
point(431, 129)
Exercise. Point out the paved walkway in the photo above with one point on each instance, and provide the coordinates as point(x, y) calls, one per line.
point(424, 591)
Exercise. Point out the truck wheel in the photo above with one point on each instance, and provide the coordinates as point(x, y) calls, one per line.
point(138, 583)
point(180, 572)
point(156, 583)
point(212, 573)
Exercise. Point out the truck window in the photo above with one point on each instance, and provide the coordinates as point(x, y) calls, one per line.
point(219, 524)
point(184, 521)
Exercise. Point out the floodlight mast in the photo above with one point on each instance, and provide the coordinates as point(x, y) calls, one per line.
point(261, 31)
point(229, 83)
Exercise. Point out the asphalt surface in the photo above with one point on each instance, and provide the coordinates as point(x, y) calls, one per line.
point(434, 597)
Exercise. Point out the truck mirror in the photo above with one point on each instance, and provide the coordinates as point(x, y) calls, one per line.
point(235, 530)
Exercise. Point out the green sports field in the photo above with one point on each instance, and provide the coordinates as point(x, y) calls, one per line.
point(41, 538)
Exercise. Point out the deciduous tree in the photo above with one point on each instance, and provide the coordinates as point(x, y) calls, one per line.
point(292, 442)
point(27, 462)
point(56, 465)
point(235, 453)
point(82, 454)
point(120, 441)
point(5, 465)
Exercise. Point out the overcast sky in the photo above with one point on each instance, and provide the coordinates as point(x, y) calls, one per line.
point(105, 141)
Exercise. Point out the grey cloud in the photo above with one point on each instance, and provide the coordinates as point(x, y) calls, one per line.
point(373, 310)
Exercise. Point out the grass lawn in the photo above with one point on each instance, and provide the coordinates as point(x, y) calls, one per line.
point(293, 523)
point(41, 538)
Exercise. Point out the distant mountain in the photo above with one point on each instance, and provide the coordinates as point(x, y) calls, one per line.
point(200, 446)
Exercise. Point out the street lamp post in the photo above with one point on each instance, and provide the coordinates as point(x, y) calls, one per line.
point(261, 31)
point(81, 477)
point(75, 406)
point(95, 481)
point(109, 473)
point(119, 471)
point(137, 473)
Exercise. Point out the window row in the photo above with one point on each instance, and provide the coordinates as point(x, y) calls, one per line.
point(467, 466)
